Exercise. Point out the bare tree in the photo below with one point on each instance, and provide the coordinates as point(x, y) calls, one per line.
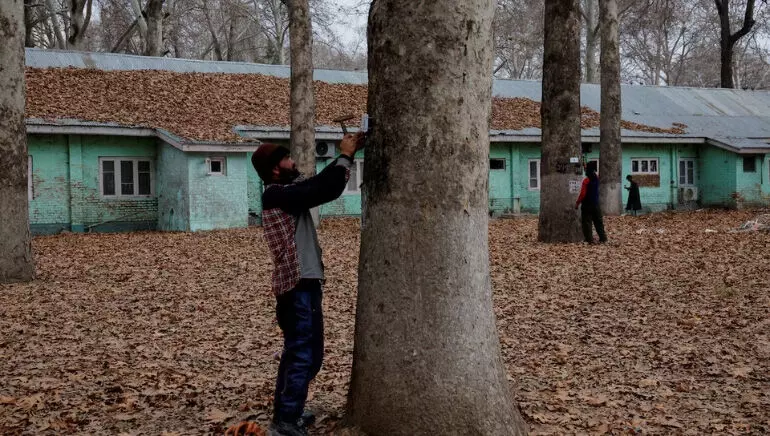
point(425, 329)
point(53, 10)
point(519, 39)
point(560, 113)
point(590, 13)
point(153, 44)
point(728, 39)
point(16, 262)
point(610, 167)
point(302, 97)
point(80, 18)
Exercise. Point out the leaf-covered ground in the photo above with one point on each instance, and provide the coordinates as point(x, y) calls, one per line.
point(664, 331)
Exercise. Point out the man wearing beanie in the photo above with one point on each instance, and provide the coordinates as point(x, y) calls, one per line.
point(298, 270)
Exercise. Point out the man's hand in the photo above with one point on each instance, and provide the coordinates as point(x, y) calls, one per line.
point(352, 143)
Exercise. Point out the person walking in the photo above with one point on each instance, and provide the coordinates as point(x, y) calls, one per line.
point(634, 203)
point(590, 211)
point(298, 270)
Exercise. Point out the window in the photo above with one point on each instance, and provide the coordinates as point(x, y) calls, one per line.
point(593, 163)
point(644, 166)
point(217, 166)
point(534, 174)
point(496, 164)
point(126, 177)
point(30, 187)
point(749, 164)
point(686, 172)
point(356, 177)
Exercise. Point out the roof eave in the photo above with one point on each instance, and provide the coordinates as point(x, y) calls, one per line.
point(77, 127)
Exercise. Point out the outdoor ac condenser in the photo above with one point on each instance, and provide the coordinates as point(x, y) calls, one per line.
point(687, 194)
point(324, 149)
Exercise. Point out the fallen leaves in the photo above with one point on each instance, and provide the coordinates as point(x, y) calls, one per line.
point(175, 333)
point(206, 106)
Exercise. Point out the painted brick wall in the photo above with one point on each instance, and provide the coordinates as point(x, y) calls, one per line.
point(718, 176)
point(654, 198)
point(529, 198)
point(750, 184)
point(501, 180)
point(49, 210)
point(172, 189)
point(92, 210)
point(253, 192)
point(218, 202)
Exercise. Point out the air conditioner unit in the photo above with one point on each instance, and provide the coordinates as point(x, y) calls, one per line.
point(688, 194)
point(325, 149)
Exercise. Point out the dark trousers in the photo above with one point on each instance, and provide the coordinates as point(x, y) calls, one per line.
point(592, 214)
point(300, 317)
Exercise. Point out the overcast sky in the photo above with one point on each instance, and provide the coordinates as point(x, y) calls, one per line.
point(351, 23)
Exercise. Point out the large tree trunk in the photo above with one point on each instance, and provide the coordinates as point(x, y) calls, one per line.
point(80, 17)
point(153, 45)
point(427, 354)
point(591, 15)
point(139, 16)
point(610, 169)
point(302, 98)
point(560, 113)
point(15, 242)
point(728, 39)
point(53, 10)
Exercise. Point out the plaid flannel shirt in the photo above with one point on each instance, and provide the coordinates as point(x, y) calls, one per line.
point(279, 234)
point(280, 226)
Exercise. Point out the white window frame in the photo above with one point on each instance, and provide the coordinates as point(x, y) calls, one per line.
point(223, 163)
point(694, 180)
point(30, 180)
point(117, 181)
point(529, 174)
point(359, 164)
point(649, 160)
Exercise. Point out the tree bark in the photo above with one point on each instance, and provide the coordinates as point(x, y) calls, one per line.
point(302, 98)
point(80, 17)
point(425, 332)
point(153, 44)
point(610, 168)
point(16, 263)
point(61, 39)
point(560, 113)
point(592, 41)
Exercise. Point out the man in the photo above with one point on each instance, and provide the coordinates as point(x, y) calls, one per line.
point(298, 270)
point(590, 211)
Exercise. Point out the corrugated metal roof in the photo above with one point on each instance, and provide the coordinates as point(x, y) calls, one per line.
point(39, 58)
point(728, 114)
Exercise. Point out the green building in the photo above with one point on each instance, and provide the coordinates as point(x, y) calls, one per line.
point(119, 142)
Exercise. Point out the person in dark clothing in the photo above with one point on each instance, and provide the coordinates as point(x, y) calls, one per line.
point(298, 270)
point(590, 211)
point(634, 200)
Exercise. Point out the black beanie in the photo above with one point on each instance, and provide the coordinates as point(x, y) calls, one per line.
point(266, 158)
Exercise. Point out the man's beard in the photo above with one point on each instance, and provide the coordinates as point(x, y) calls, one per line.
point(286, 175)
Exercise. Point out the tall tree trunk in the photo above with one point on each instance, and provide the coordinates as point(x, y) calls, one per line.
point(53, 10)
point(302, 98)
point(29, 23)
point(80, 17)
point(16, 262)
point(728, 39)
point(139, 16)
point(610, 167)
point(560, 113)
point(153, 45)
point(592, 41)
point(425, 332)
